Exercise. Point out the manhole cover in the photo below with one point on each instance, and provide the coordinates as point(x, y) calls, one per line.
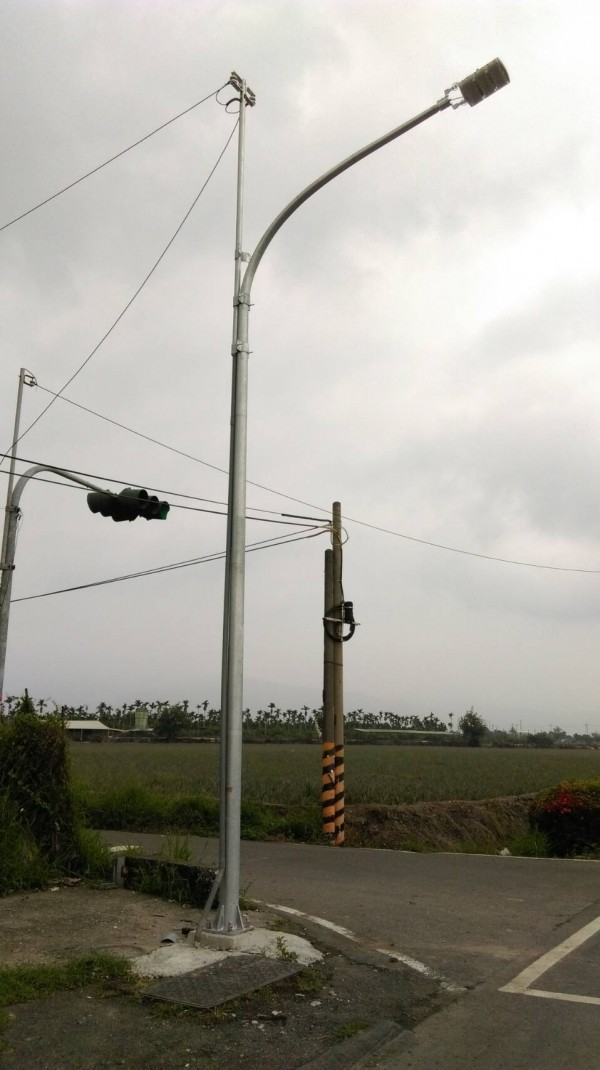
point(224, 980)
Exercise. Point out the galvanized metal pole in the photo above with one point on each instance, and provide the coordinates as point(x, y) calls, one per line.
point(25, 378)
point(8, 564)
point(229, 918)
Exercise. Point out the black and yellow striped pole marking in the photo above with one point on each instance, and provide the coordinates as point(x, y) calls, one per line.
point(339, 794)
point(328, 790)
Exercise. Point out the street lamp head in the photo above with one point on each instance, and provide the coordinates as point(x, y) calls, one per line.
point(481, 84)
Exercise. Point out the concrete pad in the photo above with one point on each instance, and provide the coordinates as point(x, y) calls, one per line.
point(183, 957)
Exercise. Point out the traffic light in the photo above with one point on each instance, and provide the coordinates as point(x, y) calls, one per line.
point(127, 505)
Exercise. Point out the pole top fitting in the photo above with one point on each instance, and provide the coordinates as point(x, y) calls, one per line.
point(238, 83)
point(477, 86)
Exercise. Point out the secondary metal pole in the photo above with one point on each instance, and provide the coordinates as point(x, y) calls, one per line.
point(25, 379)
point(338, 673)
point(8, 565)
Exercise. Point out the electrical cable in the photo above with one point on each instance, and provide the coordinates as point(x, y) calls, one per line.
point(473, 553)
point(170, 494)
point(129, 303)
point(189, 456)
point(312, 505)
point(112, 159)
point(262, 544)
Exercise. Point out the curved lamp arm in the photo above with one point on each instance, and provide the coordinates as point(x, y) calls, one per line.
point(476, 87)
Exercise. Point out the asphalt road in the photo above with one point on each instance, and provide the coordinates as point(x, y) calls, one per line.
point(477, 920)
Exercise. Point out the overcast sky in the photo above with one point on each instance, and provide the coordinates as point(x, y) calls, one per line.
point(424, 344)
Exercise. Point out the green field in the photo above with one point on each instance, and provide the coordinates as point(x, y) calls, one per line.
point(290, 774)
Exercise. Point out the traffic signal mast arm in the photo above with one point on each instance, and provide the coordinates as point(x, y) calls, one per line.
point(127, 505)
point(31, 472)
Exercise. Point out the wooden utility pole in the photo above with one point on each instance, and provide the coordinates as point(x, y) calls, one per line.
point(328, 760)
point(332, 773)
point(338, 673)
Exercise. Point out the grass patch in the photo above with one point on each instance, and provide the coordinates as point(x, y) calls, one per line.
point(20, 984)
point(350, 1029)
point(529, 844)
point(309, 981)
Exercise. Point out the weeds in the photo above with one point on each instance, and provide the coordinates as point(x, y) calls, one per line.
point(20, 984)
point(350, 1029)
point(310, 981)
point(284, 952)
point(176, 848)
point(529, 844)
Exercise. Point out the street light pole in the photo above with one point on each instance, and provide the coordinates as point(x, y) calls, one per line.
point(476, 87)
point(229, 918)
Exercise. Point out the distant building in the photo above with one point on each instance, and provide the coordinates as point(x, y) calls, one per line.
point(86, 730)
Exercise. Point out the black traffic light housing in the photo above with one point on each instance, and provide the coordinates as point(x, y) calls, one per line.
point(127, 505)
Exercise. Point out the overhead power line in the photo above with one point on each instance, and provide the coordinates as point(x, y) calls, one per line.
point(472, 553)
point(112, 159)
point(263, 544)
point(181, 453)
point(311, 505)
point(129, 303)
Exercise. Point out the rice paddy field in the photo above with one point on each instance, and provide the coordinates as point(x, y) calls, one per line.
point(289, 774)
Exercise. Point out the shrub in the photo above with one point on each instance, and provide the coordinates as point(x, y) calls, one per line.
point(41, 834)
point(34, 778)
point(569, 817)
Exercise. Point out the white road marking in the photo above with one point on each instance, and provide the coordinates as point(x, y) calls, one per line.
point(522, 982)
point(317, 921)
point(569, 997)
point(406, 960)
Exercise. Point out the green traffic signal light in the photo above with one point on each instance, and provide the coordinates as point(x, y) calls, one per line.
point(127, 505)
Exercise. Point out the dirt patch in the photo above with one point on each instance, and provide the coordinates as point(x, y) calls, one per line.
point(351, 990)
point(438, 826)
point(72, 920)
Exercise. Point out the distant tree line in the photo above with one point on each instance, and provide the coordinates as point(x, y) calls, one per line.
point(171, 720)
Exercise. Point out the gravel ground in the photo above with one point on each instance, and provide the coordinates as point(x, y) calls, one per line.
point(282, 1027)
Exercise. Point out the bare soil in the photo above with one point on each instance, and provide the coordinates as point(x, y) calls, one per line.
point(439, 826)
point(98, 1029)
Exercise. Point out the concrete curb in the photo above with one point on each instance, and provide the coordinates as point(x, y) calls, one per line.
point(349, 1053)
